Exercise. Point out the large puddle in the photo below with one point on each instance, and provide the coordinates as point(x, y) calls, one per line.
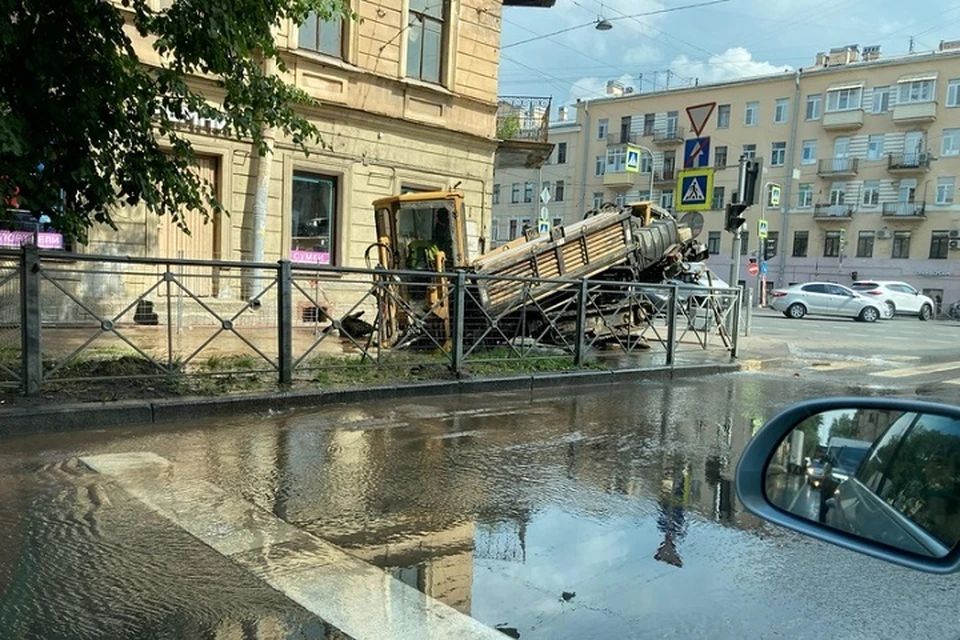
point(600, 513)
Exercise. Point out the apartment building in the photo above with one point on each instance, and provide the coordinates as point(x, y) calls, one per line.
point(865, 148)
point(407, 100)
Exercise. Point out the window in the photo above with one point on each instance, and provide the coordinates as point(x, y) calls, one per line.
point(425, 34)
point(751, 114)
point(875, 147)
point(805, 195)
point(951, 142)
point(561, 153)
point(514, 229)
point(865, 244)
point(603, 127)
point(939, 244)
point(720, 158)
point(322, 36)
point(314, 217)
point(800, 241)
point(813, 106)
point(831, 244)
point(901, 245)
point(620, 199)
point(844, 99)
point(838, 193)
point(881, 99)
point(646, 163)
point(616, 159)
point(778, 154)
point(515, 193)
point(718, 197)
point(673, 118)
point(808, 153)
point(781, 109)
point(953, 93)
point(917, 91)
point(496, 194)
point(558, 191)
point(528, 192)
point(713, 243)
point(744, 242)
point(557, 222)
point(495, 229)
point(871, 193)
point(600, 166)
point(649, 122)
point(723, 116)
point(666, 200)
point(597, 200)
point(750, 150)
point(945, 188)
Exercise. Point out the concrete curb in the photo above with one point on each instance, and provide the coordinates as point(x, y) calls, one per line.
point(71, 417)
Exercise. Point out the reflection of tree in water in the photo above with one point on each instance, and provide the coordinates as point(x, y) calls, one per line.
point(671, 519)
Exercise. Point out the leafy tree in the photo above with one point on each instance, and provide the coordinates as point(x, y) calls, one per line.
point(86, 126)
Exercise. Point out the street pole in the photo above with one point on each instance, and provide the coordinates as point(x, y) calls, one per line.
point(761, 295)
point(737, 238)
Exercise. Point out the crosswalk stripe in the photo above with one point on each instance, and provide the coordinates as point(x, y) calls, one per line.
point(955, 381)
point(906, 372)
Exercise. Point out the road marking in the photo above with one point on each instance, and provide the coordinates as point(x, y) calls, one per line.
point(955, 381)
point(916, 371)
point(830, 366)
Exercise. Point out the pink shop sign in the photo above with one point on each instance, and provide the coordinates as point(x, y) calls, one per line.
point(310, 257)
point(45, 240)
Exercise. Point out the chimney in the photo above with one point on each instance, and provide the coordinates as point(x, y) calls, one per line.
point(949, 45)
point(562, 114)
point(823, 59)
point(871, 53)
point(614, 88)
point(843, 55)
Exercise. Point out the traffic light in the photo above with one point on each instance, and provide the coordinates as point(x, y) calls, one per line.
point(754, 169)
point(769, 248)
point(734, 219)
point(843, 238)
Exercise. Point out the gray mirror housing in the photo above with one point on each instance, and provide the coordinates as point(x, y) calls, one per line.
point(751, 479)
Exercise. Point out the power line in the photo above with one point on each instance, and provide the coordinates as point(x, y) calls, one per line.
point(636, 15)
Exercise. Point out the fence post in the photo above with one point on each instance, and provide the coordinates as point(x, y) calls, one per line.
point(735, 333)
point(32, 353)
point(672, 324)
point(285, 321)
point(748, 312)
point(458, 326)
point(580, 346)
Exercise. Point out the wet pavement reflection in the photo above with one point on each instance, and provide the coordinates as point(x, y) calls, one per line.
point(590, 513)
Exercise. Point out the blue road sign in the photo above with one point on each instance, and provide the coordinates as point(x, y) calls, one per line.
point(763, 267)
point(696, 153)
point(693, 189)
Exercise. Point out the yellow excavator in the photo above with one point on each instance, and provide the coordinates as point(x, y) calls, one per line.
point(424, 239)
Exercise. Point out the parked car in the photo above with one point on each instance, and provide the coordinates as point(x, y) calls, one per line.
point(827, 299)
point(897, 297)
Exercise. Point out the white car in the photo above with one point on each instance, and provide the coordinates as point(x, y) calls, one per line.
point(899, 298)
point(825, 299)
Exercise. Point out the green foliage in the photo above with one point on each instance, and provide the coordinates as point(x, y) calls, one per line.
point(76, 100)
point(509, 127)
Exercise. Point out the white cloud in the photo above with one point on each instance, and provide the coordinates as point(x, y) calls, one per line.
point(736, 62)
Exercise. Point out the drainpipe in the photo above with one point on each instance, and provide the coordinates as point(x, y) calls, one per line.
point(788, 183)
point(261, 198)
point(586, 157)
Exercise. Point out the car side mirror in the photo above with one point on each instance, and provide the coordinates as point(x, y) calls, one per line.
point(893, 491)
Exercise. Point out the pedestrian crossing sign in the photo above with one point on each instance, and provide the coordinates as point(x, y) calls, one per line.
point(693, 189)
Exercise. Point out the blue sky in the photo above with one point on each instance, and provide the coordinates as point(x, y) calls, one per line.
point(723, 41)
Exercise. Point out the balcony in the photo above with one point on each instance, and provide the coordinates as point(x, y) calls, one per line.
point(837, 212)
point(619, 179)
point(907, 211)
point(665, 176)
point(668, 137)
point(915, 112)
point(522, 125)
point(908, 163)
point(838, 167)
point(617, 139)
point(848, 120)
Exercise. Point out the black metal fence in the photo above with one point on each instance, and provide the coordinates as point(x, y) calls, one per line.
point(69, 317)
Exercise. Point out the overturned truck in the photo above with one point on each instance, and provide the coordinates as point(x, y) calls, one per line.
point(527, 288)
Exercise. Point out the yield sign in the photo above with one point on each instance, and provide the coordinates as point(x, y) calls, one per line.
point(699, 114)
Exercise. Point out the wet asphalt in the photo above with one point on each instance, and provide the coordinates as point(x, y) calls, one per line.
point(602, 512)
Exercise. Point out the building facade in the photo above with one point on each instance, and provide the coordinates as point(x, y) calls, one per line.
point(865, 149)
point(406, 100)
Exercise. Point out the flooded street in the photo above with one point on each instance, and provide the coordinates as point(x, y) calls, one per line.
point(604, 512)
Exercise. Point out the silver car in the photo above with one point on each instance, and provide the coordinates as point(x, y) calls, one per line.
point(825, 299)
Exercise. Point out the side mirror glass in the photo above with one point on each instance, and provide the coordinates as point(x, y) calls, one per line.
point(879, 476)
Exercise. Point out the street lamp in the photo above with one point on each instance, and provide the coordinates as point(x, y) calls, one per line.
point(603, 24)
